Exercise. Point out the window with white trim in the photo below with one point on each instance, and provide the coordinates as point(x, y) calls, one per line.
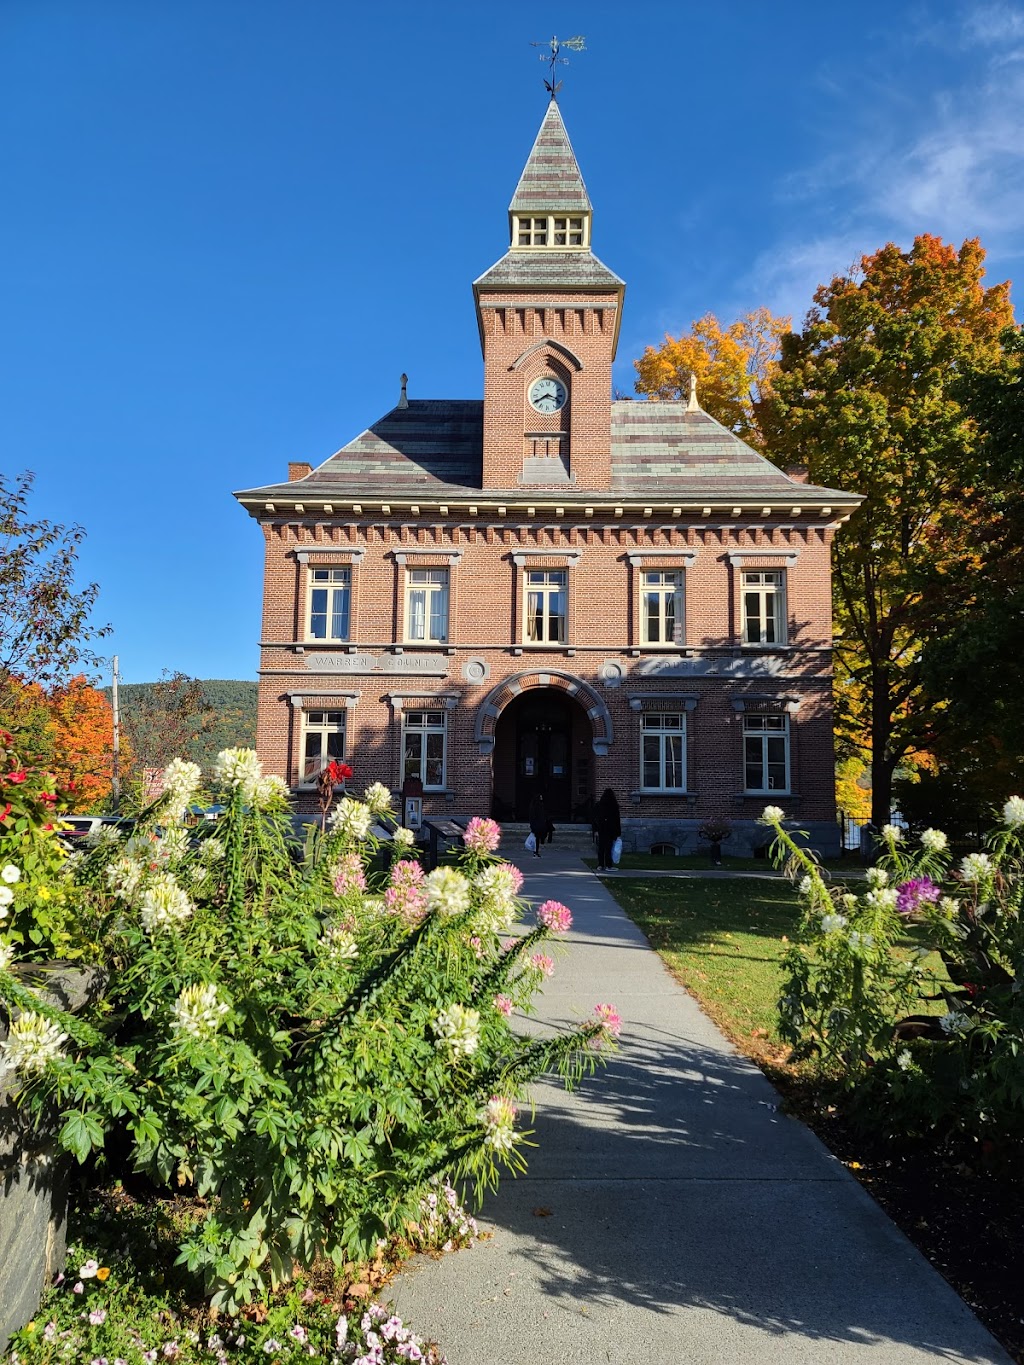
point(555, 230)
point(763, 594)
point(424, 745)
point(765, 752)
point(330, 604)
point(323, 739)
point(663, 751)
point(546, 604)
point(661, 607)
point(532, 232)
point(426, 605)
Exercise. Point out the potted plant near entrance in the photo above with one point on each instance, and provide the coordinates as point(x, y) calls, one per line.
point(714, 831)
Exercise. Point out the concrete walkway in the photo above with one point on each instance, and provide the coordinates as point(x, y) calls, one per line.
point(670, 1214)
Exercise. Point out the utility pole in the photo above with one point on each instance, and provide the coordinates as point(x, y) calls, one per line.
point(115, 773)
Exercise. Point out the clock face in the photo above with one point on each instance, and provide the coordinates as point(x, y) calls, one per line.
point(548, 394)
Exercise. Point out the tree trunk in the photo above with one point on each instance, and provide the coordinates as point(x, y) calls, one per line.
point(883, 764)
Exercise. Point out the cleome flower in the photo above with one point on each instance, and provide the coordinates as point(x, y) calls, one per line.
point(32, 1042)
point(503, 1005)
point(609, 1019)
point(892, 834)
point(976, 867)
point(404, 838)
point(352, 819)
point(349, 875)
point(482, 835)
point(771, 815)
point(164, 904)
point(6, 897)
point(540, 962)
point(457, 1029)
point(1013, 812)
point(198, 1011)
point(877, 876)
point(447, 891)
point(239, 769)
point(555, 916)
point(934, 841)
point(406, 896)
point(378, 798)
point(6, 955)
point(212, 850)
point(339, 943)
point(498, 1120)
point(883, 898)
point(269, 791)
point(181, 782)
point(859, 940)
point(831, 924)
point(123, 877)
point(914, 894)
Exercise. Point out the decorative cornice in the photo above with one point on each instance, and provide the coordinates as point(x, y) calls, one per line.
point(571, 554)
point(736, 557)
point(637, 557)
point(436, 552)
point(355, 553)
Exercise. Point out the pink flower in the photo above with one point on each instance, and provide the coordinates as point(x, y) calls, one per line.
point(609, 1018)
point(476, 943)
point(78, 1288)
point(482, 836)
point(405, 896)
point(513, 874)
point(349, 876)
point(98, 1317)
point(555, 916)
point(543, 964)
point(503, 1005)
point(298, 1333)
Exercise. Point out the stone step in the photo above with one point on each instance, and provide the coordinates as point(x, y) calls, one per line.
point(574, 838)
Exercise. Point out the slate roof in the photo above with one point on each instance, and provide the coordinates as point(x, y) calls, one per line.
point(549, 270)
point(551, 181)
point(432, 450)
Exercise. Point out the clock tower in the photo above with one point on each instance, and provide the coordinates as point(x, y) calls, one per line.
point(549, 314)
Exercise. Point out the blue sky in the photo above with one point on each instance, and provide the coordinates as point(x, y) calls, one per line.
point(230, 225)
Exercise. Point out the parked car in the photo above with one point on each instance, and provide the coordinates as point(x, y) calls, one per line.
point(82, 827)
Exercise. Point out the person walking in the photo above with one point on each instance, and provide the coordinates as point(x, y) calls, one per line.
point(539, 822)
point(608, 824)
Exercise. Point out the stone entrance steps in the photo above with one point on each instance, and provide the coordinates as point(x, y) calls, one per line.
point(568, 838)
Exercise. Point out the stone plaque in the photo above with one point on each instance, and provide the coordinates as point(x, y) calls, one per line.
point(749, 666)
point(419, 665)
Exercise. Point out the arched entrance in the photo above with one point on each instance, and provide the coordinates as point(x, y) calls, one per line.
point(543, 731)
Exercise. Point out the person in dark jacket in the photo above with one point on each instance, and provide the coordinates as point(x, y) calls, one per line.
point(539, 822)
point(608, 824)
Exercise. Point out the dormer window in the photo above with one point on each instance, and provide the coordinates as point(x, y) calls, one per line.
point(554, 230)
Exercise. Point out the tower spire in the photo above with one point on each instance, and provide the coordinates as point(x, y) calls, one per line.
point(554, 59)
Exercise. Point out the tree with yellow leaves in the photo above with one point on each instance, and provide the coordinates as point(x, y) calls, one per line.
point(733, 367)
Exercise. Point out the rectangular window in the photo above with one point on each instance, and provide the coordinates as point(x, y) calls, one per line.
point(323, 738)
point(426, 605)
point(661, 607)
point(764, 607)
point(568, 231)
point(424, 735)
point(330, 598)
point(663, 751)
point(766, 753)
point(532, 232)
point(546, 597)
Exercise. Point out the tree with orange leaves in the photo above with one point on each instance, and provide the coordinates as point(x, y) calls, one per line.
point(733, 367)
point(83, 724)
point(865, 397)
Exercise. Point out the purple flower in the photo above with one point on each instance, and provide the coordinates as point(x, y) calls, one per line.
point(915, 893)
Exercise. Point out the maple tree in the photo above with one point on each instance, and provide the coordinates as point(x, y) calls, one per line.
point(83, 736)
point(733, 367)
point(865, 397)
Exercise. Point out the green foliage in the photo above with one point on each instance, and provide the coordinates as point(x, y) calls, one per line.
point(933, 1039)
point(304, 1048)
point(222, 716)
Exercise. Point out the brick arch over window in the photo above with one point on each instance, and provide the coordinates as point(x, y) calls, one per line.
point(550, 348)
point(499, 697)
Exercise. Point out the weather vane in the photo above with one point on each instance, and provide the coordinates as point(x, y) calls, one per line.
point(556, 46)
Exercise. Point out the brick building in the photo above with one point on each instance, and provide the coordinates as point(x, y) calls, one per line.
point(551, 590)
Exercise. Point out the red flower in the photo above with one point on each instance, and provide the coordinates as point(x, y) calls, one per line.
point(7, 811)
point(338, 772)
point(6, 736)
point(49, 797)
point(20, 775)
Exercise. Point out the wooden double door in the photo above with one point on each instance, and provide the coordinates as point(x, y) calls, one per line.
point(543, 749)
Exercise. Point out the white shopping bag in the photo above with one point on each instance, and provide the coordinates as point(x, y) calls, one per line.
point(616, 851)
point(531, 842)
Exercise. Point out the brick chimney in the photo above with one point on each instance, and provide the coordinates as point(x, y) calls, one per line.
point(298, 469)
point(797, 472)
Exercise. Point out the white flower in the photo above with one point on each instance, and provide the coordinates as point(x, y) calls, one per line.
point(211, 850)
point(107, 834)
point(181, 782)
point(848, 901)
point(458, 1030)
point(6, 955)
point(352, 818)
point(831, 924)
point(771, 815)
point(123, 877)
point(164, 904)
point(934, 841)
point(885, 898)
point(949, 907)
point(239, 768)
point(405, 838)
point(10, 874)
point(892, 834)
point(270, 789)
point(339, 943)
point(904, 1060)
point(198, 1011)
point(954, 1022)
point(877, 876)
point(378, 798)
point(173, 845)
point(1013, 812)
point(858, 940)
point(6, 897)
point(32, 1042)
point(976, 867)
point(498, 1119)
point(447, 891)
point(497, 888)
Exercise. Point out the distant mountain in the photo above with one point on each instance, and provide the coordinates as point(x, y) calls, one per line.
point(230, 721)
